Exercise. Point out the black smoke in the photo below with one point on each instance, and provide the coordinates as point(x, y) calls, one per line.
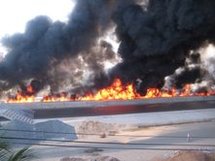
point(32, 53)
point(155, 38)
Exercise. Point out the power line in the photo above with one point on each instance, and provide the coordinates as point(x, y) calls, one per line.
point(94, 134)
point(112, 148)
point(107, 143)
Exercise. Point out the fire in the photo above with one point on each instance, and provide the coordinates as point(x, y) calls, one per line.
point(116, 91)
point(21, 98)
point(30, 89)
point(59, 97)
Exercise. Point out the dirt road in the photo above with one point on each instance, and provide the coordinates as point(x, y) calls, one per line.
point(200, 133)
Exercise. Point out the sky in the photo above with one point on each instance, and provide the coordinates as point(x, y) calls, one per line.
point(14, 14)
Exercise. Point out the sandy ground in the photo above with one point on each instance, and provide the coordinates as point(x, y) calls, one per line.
point(202, 129)
point(192, 156)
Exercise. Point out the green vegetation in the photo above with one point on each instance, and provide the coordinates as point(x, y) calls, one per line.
point(9, 154)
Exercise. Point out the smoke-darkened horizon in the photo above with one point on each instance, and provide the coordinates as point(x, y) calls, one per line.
point(156, 38)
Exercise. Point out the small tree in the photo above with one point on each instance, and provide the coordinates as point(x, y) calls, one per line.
point(6, 154)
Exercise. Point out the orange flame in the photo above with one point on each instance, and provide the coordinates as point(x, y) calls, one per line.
point(21, 98)
point(116, 91)
point(56, 98)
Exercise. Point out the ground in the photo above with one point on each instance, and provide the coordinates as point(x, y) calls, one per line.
point(200, 132)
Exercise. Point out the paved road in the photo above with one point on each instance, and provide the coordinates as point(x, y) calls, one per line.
point(203, 129)
point(94, 108)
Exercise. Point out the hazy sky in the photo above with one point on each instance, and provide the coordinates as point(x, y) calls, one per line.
point(14, 14)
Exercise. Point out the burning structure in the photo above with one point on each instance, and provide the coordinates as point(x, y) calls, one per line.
point(166, 49)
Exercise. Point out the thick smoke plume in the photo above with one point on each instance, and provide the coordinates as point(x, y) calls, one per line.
point(45, 43)
point(155, 40)
point(156, 37)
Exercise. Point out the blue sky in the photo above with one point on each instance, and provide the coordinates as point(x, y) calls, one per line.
point(14, 14)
